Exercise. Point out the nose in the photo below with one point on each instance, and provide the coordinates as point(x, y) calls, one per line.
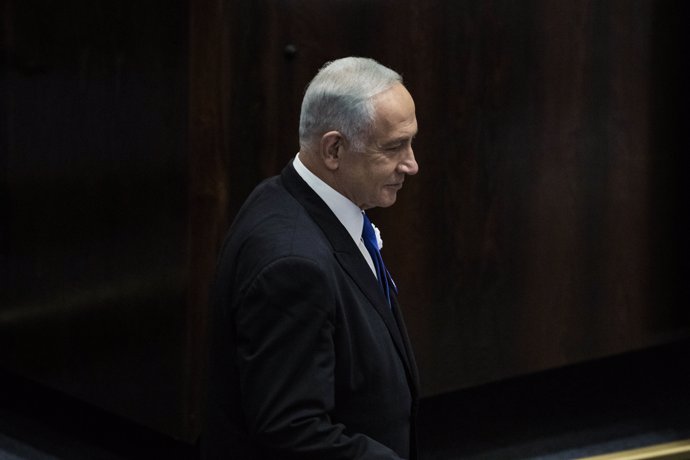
point(408, 165)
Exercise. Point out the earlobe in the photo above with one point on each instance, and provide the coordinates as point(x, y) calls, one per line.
point(331, 149)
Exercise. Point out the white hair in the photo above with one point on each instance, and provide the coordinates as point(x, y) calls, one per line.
point(340, 98)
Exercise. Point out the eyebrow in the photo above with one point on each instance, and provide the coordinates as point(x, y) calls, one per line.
point(399, 140)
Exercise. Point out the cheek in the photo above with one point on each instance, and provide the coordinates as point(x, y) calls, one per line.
point(378, 178)
point(385, 173)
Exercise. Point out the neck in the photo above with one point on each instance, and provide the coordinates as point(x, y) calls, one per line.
point(311, 161)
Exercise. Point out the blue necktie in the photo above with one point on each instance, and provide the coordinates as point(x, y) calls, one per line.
point(385, 280)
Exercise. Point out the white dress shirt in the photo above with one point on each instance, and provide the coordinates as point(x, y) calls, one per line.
point(348, 213)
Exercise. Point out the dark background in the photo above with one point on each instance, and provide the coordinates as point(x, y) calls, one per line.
point(546, 228)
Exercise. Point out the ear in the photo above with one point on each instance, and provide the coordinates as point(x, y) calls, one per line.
point(331, 149)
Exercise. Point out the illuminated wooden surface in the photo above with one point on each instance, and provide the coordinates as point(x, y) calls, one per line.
point(679, 450)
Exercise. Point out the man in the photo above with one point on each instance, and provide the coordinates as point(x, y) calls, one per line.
point(310, 358)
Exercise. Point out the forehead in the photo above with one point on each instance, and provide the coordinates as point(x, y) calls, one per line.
point(395, 113)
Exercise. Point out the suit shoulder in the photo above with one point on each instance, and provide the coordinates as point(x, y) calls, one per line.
point(272, 225)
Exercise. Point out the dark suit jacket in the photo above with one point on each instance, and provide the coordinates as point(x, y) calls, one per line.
point(308, 359)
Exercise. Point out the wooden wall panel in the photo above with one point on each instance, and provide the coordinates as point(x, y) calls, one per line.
point(94, 182)
point(529, 239)
point(545, 226)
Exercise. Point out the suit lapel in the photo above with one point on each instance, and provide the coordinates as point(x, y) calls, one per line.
point(350, 258)
point(351, 263)
point(413, 373)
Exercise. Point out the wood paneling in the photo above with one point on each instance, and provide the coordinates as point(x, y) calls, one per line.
point(530, 237)
point(95, 263)
point(545, 226)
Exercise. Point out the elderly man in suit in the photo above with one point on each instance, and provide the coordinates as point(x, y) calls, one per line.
point(310, 357)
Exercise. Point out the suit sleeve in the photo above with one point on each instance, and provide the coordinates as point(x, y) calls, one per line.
point(286, 358)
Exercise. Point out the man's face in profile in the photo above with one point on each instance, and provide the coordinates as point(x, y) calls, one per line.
point(372, 178)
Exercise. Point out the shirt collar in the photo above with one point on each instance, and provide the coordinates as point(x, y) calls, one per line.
point(348, 213)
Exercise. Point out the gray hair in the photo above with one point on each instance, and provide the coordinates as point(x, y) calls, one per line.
point(340, 98)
